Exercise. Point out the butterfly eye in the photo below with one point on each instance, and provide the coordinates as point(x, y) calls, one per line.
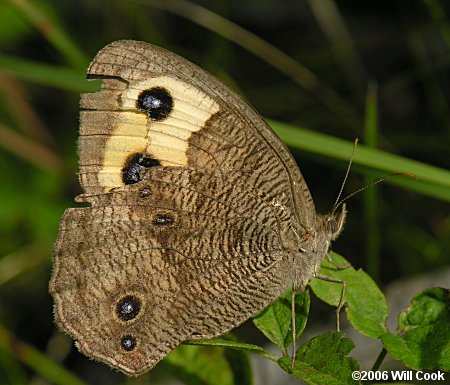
point(128, 343)
point(128, 308)
point(157, 102)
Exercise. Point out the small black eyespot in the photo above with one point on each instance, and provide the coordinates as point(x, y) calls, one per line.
point(163, 220)
point(128, 343)
point(128, 308)
point(145, 192)
point(157, 102)
point(134, 165)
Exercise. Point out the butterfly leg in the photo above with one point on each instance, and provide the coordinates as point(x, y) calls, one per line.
point(341, 300)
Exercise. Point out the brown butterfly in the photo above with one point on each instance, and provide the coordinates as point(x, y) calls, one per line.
point(198, 216)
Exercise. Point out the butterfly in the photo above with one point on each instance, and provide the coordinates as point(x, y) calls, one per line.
point(196, 216)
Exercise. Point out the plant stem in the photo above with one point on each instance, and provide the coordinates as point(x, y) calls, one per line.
point(379, 360)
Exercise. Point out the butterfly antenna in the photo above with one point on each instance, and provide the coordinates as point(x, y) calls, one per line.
point(408, 174)
point(336, 203)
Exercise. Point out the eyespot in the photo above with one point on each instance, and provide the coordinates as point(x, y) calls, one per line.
point(128, 308)
point(157, 102)
point(162, 220)
point(145, 192)
point(134, 165)
point(128, 343)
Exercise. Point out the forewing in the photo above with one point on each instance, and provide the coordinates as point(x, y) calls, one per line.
point(210, 128)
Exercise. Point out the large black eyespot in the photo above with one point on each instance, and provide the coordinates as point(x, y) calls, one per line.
point(134, 165)
point(163, 220)
point(128, 307)
point(128, 343)
point(157, 102)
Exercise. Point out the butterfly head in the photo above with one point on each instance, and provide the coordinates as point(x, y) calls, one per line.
point(328, 228)
point(334, 223)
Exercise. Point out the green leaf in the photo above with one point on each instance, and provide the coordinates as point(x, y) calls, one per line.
point(422, 340)
point(428, 307)
point(235, 345)
point(275, 321)
point(226, 344)
point(324, 361)
point(240, 366)
point(366, 305)
point(236, 355)
point(199, 365)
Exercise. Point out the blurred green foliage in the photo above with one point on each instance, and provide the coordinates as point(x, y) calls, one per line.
point(305, 63)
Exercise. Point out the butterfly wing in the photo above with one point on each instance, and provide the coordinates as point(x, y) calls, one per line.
point(210, 128)
point(193, 203)
point(195, 275)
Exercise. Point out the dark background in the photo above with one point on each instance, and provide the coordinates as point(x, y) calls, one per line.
point(400, 47)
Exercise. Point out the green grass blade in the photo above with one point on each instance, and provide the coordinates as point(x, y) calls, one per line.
point(432, 181)
point(370, 195)
point(56, 36)
point(36, 360)
point(439, 17)
point(265, 51)
point(48, 75)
